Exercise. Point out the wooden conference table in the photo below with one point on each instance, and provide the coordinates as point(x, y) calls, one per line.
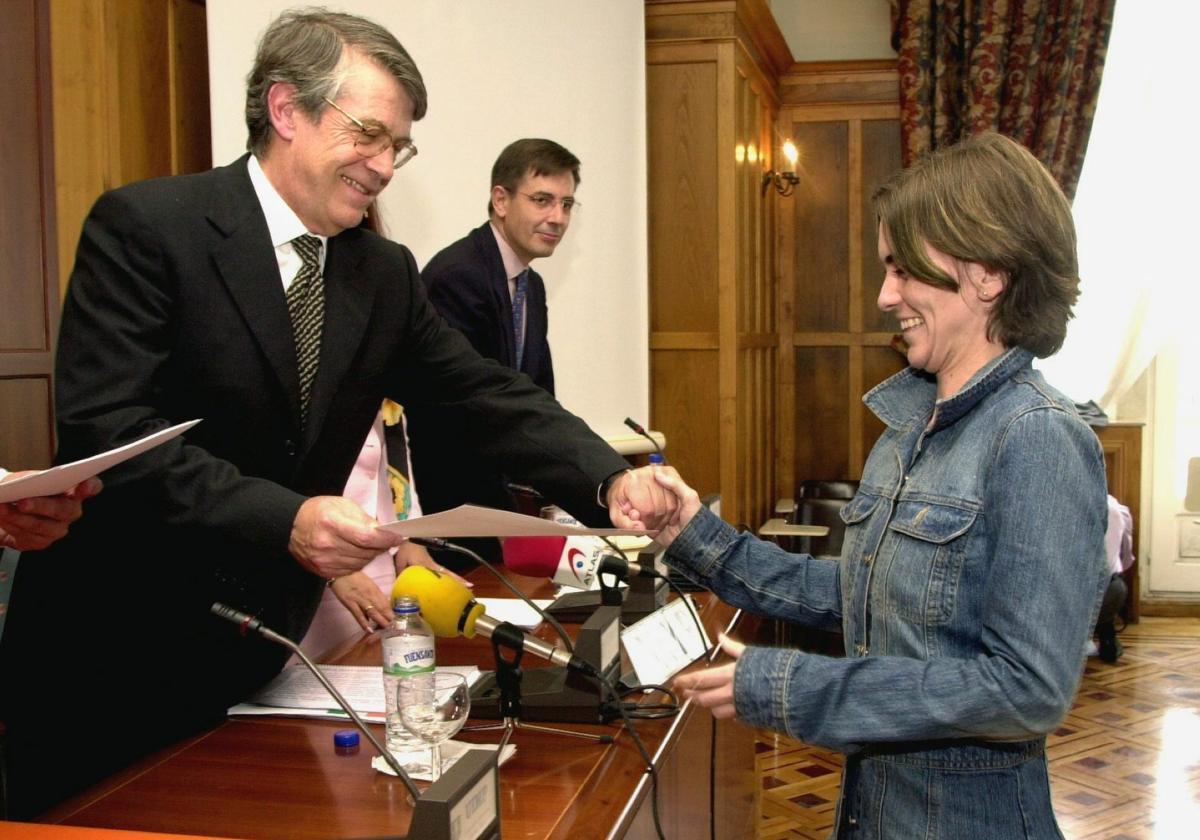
point(282, 778)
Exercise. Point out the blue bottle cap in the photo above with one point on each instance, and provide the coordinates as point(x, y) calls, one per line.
point(655, 458)
point(344, 738)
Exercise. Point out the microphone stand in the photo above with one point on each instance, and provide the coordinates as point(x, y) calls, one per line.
point(467, 792)
point(508, 671)
point(508, 680)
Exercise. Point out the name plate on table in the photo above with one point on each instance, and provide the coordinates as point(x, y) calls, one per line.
point(665, 642)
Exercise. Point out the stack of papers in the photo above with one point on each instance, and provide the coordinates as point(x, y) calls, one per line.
point(297, 693)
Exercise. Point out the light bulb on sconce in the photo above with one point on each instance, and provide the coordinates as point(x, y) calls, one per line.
point(784, 182)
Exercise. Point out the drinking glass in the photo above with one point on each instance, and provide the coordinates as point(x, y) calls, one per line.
point(434, 706)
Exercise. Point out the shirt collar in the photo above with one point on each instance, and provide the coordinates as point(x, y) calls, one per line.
point(911, 394)
point(282, 222)
point(512, 263)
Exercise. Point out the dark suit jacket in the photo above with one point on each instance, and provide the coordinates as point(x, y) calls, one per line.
point(468, 286)
point(175, 311)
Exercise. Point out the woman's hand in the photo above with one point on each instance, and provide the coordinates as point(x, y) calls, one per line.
point(410, 554)
point(687, 504)
point(713, 687)
point(364, 599)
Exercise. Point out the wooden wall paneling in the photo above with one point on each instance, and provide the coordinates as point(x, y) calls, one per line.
point(1121, 444)
point(130, 82)
point(685, 398)
point(191, 129)
point(141, 60)
point(821, 432)
point(712, 68)
point(818, 236)
point(880, 159)
point(682, 158)
point(28, 290)
point(844, 119)
point(23, 327)
point(727, 283)
point(683, 222)
point(81, 85)
point(27, 441)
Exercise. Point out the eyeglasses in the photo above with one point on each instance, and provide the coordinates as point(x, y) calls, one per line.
point(544, 201)
point(372, 140)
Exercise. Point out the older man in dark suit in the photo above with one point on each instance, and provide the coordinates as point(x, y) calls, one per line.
point(484, 285)
point(247, 296)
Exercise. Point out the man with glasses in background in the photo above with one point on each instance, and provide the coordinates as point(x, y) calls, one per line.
point(484, 286)
point(248, 296)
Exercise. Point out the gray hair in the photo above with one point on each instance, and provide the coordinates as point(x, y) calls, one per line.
point(303, 47)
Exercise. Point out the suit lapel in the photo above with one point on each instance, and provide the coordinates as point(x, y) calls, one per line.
point(248, 268)
point(485, 241)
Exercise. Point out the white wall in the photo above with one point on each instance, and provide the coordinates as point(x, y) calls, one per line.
point(569, 70)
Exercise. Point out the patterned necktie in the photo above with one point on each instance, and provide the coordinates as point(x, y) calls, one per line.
point(518, 308)
point(306, 306)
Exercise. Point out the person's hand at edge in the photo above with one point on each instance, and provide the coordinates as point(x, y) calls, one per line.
point(411, 554)
point(712, 688)
point(36, 523)
point(332, 536)
point(363, 599)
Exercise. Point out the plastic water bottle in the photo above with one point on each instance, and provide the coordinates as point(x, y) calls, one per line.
point(407, 649)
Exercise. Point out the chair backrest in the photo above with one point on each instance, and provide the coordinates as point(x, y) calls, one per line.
point(825, 512)
point(820, 488)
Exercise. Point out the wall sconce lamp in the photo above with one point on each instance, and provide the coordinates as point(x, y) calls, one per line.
point(784, 182)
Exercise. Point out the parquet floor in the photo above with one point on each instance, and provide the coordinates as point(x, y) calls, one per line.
point(1124, 764)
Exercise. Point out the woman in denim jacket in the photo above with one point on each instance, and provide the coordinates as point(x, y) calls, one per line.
point(973, 560)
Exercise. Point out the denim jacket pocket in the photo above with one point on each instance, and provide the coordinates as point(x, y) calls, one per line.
point(929, 547)
point(855, 514)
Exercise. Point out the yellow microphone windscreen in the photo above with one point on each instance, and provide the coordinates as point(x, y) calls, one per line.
point(446, 604)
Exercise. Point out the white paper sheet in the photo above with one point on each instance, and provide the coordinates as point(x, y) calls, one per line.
point(62, 478)
point(664, 642)
point(297, 693)
point(475, 521)
point(452, 751)
point(515, 611)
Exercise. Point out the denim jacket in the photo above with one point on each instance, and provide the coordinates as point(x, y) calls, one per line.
point(969, 580)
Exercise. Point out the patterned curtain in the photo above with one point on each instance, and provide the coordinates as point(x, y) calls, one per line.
point(1029, 69)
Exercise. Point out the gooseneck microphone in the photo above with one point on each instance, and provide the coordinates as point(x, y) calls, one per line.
point(451, 610)
point(437, 542)
point(641, 430)
point(250, 623)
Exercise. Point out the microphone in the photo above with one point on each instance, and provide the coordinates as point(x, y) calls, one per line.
point(250, 623)
point(467, 794)
point(638, 428)
point(623, 569)
point(567, 561)
point(451, 610)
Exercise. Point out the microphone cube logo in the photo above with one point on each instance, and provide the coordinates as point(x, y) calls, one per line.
point(583, 565)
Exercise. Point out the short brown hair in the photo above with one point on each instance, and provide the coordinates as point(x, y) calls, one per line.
point(531, 155)
point(303, 47)
point(989, 200)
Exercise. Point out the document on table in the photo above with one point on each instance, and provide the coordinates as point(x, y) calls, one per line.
point(297, 693)
point(665, 642)
point(476, 521)
point(515, 611)
point(62, 478)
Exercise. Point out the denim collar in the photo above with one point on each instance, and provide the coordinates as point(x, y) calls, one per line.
point(911, 394)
